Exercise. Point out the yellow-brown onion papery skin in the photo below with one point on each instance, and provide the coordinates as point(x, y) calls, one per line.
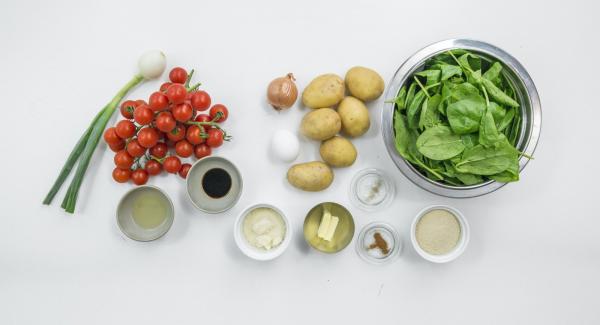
point(282, 92)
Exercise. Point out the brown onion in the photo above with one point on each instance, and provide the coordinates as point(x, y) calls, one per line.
point(282, 92)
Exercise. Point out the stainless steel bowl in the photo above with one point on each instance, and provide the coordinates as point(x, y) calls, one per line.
point(531, 112)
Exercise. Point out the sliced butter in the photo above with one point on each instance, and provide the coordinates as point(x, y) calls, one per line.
point(324, 225)
point(332, 227)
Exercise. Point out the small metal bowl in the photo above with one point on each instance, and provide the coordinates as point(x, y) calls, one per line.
point(196, 193)
point(125, 218)
point(343, 234)
point(526, 93)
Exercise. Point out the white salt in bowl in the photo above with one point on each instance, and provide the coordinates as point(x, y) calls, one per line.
point(460, 246)
point(260, 254)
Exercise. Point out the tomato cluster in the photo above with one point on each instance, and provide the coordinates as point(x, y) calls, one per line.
point(155, 135)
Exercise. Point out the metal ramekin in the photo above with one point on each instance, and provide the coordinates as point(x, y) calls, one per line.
point(526, 93)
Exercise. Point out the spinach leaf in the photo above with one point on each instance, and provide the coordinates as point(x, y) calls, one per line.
point(480, 160)
point(511, 174)
point(449, 70)
point(433, 76)
point(488, 133)
point(400, 100)
point(470, 61)
point(469, 179)
point(498, 112)
point(505, 121)
point(429, 112)
point(403, 137)
point(412, 112)
point(410, 94)
point(470, 140)
point(439, 143)
point(465, 115)
point(497, 94)
point(493, 73)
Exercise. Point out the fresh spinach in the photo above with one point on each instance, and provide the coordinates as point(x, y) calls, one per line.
point(439, 143)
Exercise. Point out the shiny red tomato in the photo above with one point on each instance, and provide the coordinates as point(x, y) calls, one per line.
point(125, 129)
point(153, 167)
point(115, 147)
point(182, 112)
point(123, 160)
point(165, 86)
point(203, 118)
point(143, 115)
point(176, 93)
point(200, 100)
point(111, 136)
point(158, 101)
point(121, 175)
point(165, 122)
point(215, 138)
point(172, 164)
point(177, 133)
point(127, 108)
point(139, 176)
point(184, 149)
point(202, 150)
point(159, 150)
point(184, 170)
point(194, 134)
point(178, 75)
point(147, 137)
point(135, 149)
point(219, 113)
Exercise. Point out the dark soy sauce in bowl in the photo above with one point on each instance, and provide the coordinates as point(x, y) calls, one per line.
point(216, 183)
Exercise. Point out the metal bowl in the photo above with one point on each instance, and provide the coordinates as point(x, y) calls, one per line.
point(527, 95)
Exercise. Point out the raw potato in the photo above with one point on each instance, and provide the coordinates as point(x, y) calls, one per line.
point(311, 176)
point(364, 83)
point(338, 152)
point(321, 124)
point(355, 117)
point(324, 91)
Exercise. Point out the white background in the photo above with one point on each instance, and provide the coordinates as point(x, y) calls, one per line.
point(534, 256)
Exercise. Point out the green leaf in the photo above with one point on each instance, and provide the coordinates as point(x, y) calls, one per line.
point(465, 115)
point(480, 160)
point(412, 113)
point(400, 99)
point(433, 76)
point(402, 137)
point(439, 143)
point(470, 140)
point(497, 94)
point(506, 119)
point(511, 174)
point(470, 61)
point(429, 112)
point(469, 179)
point(449, 71)
point(410, 94)
point(493, 73)
point(488, 134)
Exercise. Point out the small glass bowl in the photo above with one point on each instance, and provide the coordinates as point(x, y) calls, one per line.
point(371, 189)
point(374, 255)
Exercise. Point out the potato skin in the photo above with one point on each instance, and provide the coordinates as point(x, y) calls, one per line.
point(326, 90)
point(311, 176)
point(355, 117)
point(338, 152)
point(321, 124)
point(364, 83)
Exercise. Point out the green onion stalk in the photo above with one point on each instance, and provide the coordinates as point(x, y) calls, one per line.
point(151, 65)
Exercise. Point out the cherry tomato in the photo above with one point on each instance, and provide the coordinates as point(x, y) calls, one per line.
point(147, 137)
point(159, 150)
point(125, 129)
point(203, 118)
point(141, 102)
point(158, 101)
point(139, 176)
point(121, 175)
point(184, 170)
point(165, 122)
point(200, 100)
point(178, 75)
point(164, 86)
point(221, 110)
point(123, 160)
point(177, 133)
point(176, 93)
point(127, 108)
point(143, 115)
point(172, 164)
point(184, 149)
point(135, 149)
point(215, 138)
point(202, 150)
point(194, 134)
point(111, 136)
point(183, 112)
point(117, 146)
point(153, 167)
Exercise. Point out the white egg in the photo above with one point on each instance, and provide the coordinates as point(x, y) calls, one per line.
point(285, 145)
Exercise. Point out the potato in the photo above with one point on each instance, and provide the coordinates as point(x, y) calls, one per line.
point(338, 152)
point(321, 124)
point(364, 83)
point(355, 117)
point(324, 91)
point(311, 176)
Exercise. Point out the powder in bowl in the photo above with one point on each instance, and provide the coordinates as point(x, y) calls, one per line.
point(438, 232)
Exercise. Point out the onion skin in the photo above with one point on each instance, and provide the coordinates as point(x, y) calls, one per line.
point(282, 92)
